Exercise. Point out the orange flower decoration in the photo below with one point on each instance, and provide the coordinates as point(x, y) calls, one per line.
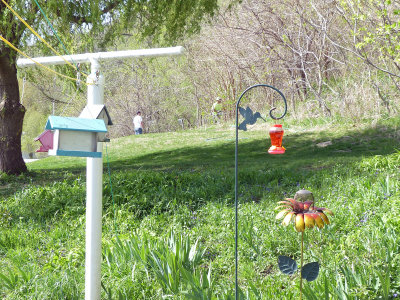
point(304, 214)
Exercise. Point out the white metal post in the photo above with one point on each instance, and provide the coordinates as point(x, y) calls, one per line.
point(94, 196)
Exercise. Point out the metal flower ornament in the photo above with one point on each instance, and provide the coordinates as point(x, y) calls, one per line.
point(302, 212)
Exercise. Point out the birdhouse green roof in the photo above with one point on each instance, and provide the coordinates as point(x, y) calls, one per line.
point(75, 124)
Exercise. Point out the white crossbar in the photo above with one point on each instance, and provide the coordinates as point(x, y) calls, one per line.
point(88, 57)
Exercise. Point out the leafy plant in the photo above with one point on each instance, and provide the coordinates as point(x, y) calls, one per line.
point(5, 217)
point(172, 261)
point(249, 234)
point(14, 277)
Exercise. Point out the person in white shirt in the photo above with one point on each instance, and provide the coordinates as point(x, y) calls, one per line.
point(138, 123)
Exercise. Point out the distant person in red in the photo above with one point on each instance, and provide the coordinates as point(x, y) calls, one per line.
point(138, 123)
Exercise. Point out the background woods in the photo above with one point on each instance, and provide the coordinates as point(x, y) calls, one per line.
point(337, 59)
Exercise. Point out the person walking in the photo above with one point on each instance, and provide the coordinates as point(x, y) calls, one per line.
point(138, 123)
point(216, 110)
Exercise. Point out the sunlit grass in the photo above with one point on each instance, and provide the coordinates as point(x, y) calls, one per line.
point(183, 182)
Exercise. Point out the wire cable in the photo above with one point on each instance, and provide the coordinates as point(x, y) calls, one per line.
point(43, 66)
point(35, 33)
point(70, 100)
point(55, 33)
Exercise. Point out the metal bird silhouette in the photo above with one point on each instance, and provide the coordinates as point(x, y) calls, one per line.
point(249, 117)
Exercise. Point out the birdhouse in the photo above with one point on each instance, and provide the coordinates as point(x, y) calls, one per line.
point(46, 140)
point(76, 136)
point(100, 112)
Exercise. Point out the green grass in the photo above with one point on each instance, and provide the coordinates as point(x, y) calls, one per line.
point(173, 189)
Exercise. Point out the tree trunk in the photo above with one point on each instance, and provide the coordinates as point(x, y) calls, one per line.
point(11, 117)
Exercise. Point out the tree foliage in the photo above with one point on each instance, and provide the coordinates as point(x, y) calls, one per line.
point(82, 26)
point(94, 24)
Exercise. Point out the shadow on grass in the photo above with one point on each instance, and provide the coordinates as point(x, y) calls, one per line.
point(302, 152)
point(191, 176)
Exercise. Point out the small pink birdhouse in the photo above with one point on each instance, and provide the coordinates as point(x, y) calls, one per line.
point(46, 139)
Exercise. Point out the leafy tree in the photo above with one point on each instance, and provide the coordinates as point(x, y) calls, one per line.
point(375, 25)
point(82, 26)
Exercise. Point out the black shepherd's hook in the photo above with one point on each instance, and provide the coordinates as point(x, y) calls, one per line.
point(272, 109)
point(236, 168)
point(284, 101)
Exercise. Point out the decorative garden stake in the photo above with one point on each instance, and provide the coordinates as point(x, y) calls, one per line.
point(304, 214)
point(249, 118)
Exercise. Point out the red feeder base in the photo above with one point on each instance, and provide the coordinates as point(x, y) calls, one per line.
point(276, 150)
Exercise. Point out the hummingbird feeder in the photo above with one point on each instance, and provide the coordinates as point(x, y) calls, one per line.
point(276, 135)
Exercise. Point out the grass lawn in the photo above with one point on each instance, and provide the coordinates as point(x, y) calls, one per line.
point(168, 217)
